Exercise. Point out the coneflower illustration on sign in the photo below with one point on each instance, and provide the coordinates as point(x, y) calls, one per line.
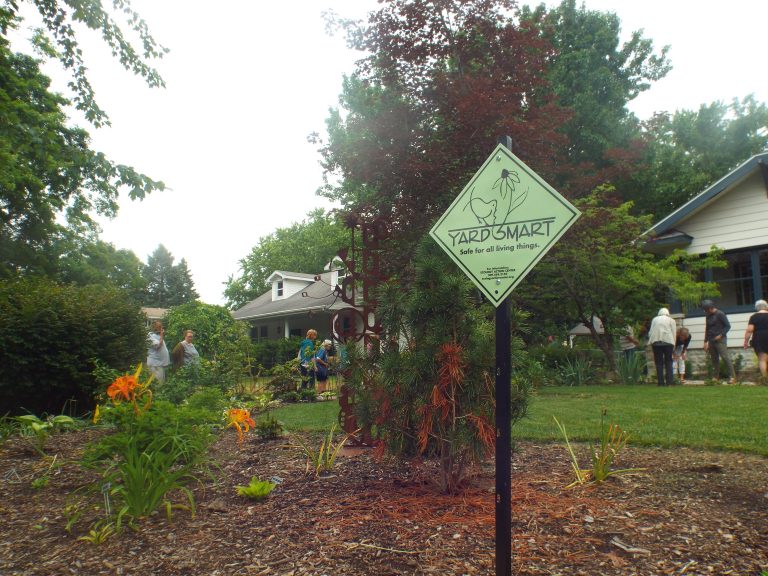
point(500, 200)
point(502, 223)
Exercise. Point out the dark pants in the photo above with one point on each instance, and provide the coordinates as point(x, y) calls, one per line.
point(662, 357)
point(719, 349)
point(307, 377)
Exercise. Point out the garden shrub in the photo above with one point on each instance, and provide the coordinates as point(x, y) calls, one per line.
point(284, 379)
point(430, 388)
point(50, 336)
point(271, 353)
point(185, 430)
point(211, 324)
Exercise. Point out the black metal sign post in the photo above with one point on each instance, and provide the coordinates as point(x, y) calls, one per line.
point(503, 433)
point(484, 232)
point(503, 443)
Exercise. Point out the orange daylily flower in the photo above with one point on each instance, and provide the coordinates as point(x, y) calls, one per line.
point(129, 388)
point(124, 388)
point(240, 418)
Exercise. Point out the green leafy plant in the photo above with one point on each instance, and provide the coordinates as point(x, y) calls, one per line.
point(576, 371)
point(143, 479)
point(257, 489)
point(631, 368)
point(156, 450)
point(612, 440)
point(99, 533)
point(308, 395)
point(56, 316)
point(290, 396)
point(9, 426)
point(43, 480)
point(322, 459)
point(283, 380)
point(37, 431)
point(269, 428)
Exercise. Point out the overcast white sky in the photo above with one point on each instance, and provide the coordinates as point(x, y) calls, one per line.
point(247, 82)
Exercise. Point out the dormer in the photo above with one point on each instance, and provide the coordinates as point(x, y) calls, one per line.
point(337, 269)
point(286, 284)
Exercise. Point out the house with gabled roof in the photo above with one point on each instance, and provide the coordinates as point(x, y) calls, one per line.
point(295, 303)
point(731, 214)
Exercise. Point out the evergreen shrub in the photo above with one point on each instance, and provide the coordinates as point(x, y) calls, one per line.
point(51, 337)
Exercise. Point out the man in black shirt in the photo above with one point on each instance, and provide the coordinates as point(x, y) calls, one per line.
point(715, 339)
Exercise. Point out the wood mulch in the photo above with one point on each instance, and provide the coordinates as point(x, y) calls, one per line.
point(690, 512)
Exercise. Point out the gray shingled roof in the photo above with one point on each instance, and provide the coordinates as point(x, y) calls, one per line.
point(317, 296)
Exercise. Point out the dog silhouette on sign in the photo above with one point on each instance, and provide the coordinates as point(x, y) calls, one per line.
point(493, 206)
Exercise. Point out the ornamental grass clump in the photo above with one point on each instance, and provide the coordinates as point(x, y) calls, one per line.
point(322, 459)
point(612, 440)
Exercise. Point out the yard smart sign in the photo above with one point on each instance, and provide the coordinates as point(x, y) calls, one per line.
point(503, 222)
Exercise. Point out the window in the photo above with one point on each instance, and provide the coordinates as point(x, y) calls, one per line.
point(279, 287)
point(744, 280)
point(263, 332)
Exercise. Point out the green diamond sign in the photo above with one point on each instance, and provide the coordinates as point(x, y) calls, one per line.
point(502, 223)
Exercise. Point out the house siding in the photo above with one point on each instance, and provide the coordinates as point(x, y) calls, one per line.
point(734, 221)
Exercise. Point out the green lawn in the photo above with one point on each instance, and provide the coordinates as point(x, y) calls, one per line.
point(712, 417)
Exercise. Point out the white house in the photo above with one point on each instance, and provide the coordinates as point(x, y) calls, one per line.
point(732, 214)
point(295, 303)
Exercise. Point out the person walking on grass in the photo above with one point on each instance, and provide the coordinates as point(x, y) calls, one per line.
point(662, 339)
point(716, 340)
point(757, 335)
point(307, 360)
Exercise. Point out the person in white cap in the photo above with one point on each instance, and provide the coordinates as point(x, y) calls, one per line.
point(662, 338)
point(322, 363)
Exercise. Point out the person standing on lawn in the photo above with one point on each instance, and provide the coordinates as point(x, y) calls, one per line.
point(716, 341)
point(682, 341)
point(662, 339)
point(628, 343)
point(306, 359)
point(757, 333)
point(322, 364)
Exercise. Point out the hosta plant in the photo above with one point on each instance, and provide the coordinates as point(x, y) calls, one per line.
point(37, 430)
point(257, 489)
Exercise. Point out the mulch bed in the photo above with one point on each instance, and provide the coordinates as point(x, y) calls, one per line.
point(690, 512)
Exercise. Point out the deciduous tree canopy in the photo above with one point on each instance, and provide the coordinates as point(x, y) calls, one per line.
point(443, 80)
point(599, 269)
point(691, 149)
point(50, 179)
point(305, 246)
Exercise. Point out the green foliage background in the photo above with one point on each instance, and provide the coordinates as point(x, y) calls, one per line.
point(50, 336)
